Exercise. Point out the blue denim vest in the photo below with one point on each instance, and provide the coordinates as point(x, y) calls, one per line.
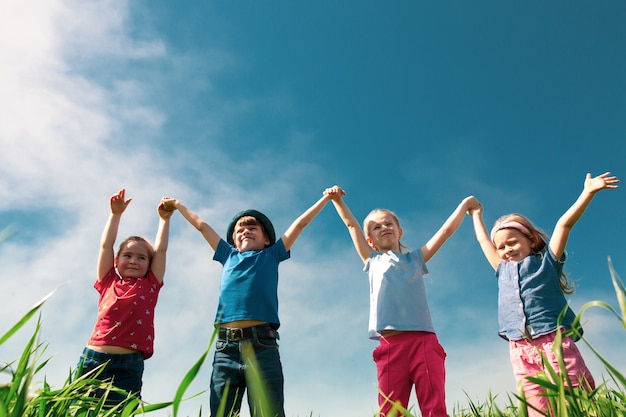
point(530, 298)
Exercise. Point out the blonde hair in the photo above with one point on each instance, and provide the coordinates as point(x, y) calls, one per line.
point(538, 240)
point(367, 221)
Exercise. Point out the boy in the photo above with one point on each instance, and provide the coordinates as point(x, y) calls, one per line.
point(247, 314)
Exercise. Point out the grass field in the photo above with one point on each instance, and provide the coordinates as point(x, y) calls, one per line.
point(20, 397)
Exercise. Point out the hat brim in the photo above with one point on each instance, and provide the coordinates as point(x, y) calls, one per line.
point(262, 218)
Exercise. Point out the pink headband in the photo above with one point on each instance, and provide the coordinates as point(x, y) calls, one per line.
point(509, 225)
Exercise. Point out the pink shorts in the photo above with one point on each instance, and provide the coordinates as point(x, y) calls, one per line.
point(526, 361)
point(411, 359)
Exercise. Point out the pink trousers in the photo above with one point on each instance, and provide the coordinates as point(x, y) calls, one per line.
point(526, 361)
point(407, 360)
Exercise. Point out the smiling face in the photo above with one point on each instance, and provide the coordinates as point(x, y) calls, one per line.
point(512, 245)
point(133, 259)
point(382, 231)
point(249, 235)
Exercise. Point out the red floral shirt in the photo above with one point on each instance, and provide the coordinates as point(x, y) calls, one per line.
point(126, 312)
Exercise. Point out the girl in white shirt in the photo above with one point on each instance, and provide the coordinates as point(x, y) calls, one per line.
point(409, 353)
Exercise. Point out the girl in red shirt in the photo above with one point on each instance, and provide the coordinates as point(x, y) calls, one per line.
point(128, 283)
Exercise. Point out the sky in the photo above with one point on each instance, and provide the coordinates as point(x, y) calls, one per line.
point(227, 105)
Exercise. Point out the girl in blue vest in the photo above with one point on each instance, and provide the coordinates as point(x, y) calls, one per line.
point(531, 282)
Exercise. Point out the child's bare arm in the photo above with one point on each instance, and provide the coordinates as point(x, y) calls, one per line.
point(483, 238)
point(448, 228)
point(292, 233)
point(106, 254)
point(157, 266)
point(207, 231)
point(354, 228)
point(564, 225)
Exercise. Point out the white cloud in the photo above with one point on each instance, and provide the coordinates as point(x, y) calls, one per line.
point(75, 128)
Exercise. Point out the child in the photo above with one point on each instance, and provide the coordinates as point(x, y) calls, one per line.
point(529, 268)
point(409, 353)
point(247, 314)
point(129, 285)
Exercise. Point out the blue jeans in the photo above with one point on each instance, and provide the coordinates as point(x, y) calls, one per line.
point(229, 379)
point(125, 371)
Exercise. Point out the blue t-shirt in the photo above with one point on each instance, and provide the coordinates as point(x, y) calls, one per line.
point(397, 293)
point(249, 285)
point(530, 298)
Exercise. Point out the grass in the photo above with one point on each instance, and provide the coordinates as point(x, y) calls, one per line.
point(21, 398)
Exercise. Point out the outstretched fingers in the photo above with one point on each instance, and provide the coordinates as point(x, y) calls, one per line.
point(601, 181)
point(118, 204)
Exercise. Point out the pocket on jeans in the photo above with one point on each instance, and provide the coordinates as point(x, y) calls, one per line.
point(220, 345)
point(266, 343)
point(86, 365)
point(135, 369)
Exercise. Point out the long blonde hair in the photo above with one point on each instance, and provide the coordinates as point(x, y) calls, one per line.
point(367, 221)
point(539, 240)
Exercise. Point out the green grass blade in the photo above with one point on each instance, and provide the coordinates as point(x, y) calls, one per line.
point(620, 291)
point(190, 376)
point(25, 318)
point(256, 389)
point(5, 234)
point(187, 380)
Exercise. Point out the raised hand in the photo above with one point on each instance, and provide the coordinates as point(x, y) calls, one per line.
point(334, 192)
point(118, 204)
point(595, 184)
point(168, 203)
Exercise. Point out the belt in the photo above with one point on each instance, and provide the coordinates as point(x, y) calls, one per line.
point(262, 331)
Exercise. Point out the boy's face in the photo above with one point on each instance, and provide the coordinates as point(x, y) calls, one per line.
point(249, 235)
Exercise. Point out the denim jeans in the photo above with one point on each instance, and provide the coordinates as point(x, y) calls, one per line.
point(124, 370)
point(230, 377)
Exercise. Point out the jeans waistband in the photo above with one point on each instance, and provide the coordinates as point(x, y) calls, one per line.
point(261, 331)
point(112, 357)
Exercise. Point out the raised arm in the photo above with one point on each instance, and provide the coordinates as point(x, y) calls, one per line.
point(106, 255)
point(564, 225)
point(354, 228)
point(207, 231)
point(489, 249)
point(448, 228)
point(157, 266)
point(292, 233)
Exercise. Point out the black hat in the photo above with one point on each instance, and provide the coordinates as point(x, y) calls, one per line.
point(262, 218)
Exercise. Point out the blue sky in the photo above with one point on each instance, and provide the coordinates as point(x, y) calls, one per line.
point(408, 105)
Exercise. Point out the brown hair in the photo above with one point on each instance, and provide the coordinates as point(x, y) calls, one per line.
point(250, 221)
point(538, 240)
point(136, 239)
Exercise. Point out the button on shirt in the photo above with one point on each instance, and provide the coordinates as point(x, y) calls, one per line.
point(530, 298)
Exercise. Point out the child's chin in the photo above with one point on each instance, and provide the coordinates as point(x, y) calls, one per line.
point(248, 248)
